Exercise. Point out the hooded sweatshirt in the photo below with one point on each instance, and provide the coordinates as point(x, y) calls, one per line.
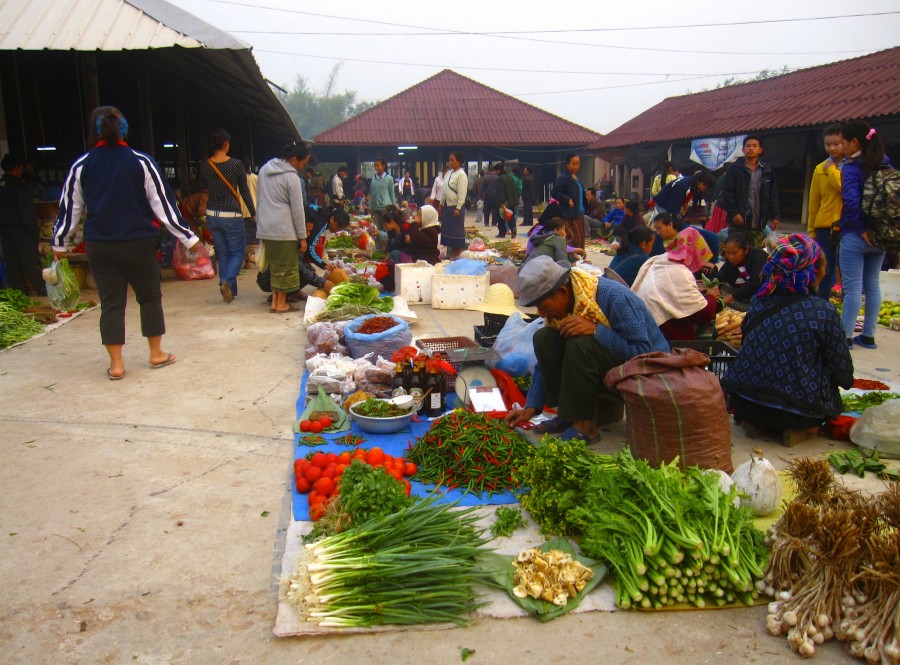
point(548, 244)
point(280, 214)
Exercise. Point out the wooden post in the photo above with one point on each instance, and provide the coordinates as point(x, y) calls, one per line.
point(807, 179)
point(147, 110)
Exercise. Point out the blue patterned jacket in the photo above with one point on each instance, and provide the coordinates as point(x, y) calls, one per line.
point(797, 357)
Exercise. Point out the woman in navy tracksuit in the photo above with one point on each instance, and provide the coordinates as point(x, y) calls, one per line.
point(126, 198)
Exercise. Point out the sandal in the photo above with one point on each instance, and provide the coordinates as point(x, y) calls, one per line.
point(113, 377)
point(572, 434)
point(290, 308)
point(165, 363)
point(553, 426)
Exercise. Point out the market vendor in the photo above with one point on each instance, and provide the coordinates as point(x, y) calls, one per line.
point(592, 325)
point(315, 255)
point(794, 354)
point(742, 270)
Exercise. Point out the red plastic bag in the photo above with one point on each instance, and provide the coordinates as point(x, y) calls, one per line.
point(192, 264)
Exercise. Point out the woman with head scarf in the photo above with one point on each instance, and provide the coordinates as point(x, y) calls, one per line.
point(794, 354)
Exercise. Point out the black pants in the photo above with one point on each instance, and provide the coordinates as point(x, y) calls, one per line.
point(491, 211)
point(20, 251)
point(573, 371)
point(115, 266)
point(770, 418)
point(527, 212)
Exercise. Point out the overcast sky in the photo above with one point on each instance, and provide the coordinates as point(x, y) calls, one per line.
point(595, 63)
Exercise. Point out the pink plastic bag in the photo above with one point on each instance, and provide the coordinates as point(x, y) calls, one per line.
point(192, 265)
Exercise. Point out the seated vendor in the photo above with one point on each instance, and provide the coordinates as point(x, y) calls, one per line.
point(422, 236)
point(742, 271)
point(592, 325)
point(675, 302)
point(550, 241)
point(630, 221)
point(697, 255)
point(634, 250)
point(794, 353)
point(551, 210)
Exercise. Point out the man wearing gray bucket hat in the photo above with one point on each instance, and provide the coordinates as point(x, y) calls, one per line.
point(592, 325)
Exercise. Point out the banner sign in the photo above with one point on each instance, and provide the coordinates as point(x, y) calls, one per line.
point(717, 152)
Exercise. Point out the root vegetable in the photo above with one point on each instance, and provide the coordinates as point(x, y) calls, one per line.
point(758, 479)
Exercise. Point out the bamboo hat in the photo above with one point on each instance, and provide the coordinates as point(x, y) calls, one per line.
point(498, 299)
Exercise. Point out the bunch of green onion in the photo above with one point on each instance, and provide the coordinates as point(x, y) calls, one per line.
point(412, 567)
point(15, 326)
point(671, 536)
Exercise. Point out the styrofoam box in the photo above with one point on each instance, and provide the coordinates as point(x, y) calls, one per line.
point(458, 291)
point(413, 282)
point(890, 285)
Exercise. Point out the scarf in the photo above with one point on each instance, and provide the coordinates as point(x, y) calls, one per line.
point(791, 266)
point(689, 248)
point(584, 287)
point(429, 216)
point(668, 289)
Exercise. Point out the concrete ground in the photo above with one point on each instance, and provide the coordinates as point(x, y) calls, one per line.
point(143, 520)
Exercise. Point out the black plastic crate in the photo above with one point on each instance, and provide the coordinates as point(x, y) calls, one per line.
point(720, 353)
point(485, 338)
point(493, 323)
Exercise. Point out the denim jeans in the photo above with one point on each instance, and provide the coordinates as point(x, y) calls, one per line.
point(823, 238)
point(231, 245)
point(860, 271)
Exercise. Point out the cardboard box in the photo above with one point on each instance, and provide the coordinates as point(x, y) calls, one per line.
point(458, 291)
point(413, 281)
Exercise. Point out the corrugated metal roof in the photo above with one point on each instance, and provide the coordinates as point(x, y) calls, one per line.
point(451, 109)
point(864, 87)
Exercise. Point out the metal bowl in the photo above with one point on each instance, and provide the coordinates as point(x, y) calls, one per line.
point(382, 425)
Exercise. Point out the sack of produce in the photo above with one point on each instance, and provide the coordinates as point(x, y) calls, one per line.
point(62, 285)
point(378, 334)
point(877, 429)
point(674, 408)
point(515, 344)
point(194, 264)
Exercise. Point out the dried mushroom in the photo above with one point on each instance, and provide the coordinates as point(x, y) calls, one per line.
point(554, 576)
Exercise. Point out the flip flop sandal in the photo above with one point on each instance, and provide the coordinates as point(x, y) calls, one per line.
point(167, 361)
point(290, 308)
point(571, 434)
point(115, 378)
point(553, 426)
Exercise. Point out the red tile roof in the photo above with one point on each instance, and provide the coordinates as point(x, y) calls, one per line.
point(449, 109)
point(865, 87)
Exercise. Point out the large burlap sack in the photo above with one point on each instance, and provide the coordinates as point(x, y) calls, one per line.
point(674, 408)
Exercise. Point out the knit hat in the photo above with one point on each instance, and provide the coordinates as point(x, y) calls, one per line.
point(791, 266)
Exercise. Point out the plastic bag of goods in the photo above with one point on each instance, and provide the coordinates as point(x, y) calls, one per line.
point(879, 427)
point(62, 285)
point(515, 344)
point(195, 264)
point(374, 334)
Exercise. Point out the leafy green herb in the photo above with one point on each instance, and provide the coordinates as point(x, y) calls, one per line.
point(264, 513)
point(17, 299)
point(508, 520)
point(464, 653)
point(853, 460)
point(341, 242)
point(377, 408)
point(854, 402)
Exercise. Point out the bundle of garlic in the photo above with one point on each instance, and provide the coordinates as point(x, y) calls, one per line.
point(835, 568)
point(554, 576)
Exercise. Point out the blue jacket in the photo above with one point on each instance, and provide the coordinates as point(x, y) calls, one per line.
point(795, 359)
point(614, 216)
point(632, 332)
point(853, 177)
point(125, 196)
point(568, 189)
point(671, 197)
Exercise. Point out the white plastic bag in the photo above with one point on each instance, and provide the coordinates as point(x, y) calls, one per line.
point(879, 427)
point(515, 344)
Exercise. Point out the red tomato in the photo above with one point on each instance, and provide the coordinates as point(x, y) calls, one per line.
point(304, 425)
point(344, 458)
point(389, 460)
point(324, 486)
point(410, 469)
point(332, 458)
point(313, 473)
point(302, 485)
point(375, 457)
point(316, 512)
point(326, 422)
point(339, 469)
point(320, 460)
point(329, 472)
point(312, 497)
point(407, 487)
point(315, 427)
point(397, 474)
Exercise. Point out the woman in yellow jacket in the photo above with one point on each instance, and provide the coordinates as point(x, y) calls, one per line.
point(825, 206)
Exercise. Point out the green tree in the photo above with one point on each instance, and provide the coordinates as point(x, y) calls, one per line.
point(315, 111)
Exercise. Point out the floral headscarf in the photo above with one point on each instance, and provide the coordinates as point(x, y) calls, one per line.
point(689, 248)
point(791, 267)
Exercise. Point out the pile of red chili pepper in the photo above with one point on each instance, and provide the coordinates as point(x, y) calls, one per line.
point(868, 384)
point(376, 324)
point(471, 452)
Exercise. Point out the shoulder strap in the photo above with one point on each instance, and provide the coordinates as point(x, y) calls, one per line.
point(769, 311)
point(225, 180)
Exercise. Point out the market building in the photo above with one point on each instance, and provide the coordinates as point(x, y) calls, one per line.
point(789, 111)
point(175, 77)
point(417, 128)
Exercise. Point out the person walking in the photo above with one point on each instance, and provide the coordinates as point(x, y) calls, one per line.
point(490, 186)
point(226, 182)
point(126, 198)
point(860, 259)
point(507, 200)
point(281, 222)
point(453, 206)
point(382, 192)
point(569, 191)
point(19, 233)
point(529, 196)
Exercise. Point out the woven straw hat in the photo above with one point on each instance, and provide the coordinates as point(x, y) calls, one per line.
point(498, 299)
